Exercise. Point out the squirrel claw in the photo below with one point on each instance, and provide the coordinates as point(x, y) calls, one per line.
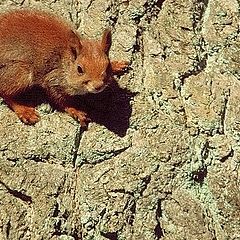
point(84, 120)
point(28, 116)
point(79, 116)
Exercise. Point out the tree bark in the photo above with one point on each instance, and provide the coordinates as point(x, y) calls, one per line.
point(161, 158)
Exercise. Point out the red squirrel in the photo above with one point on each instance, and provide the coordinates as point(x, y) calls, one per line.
point(39, 49)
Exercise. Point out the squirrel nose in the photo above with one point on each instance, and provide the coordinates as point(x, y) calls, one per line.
point(98, 88)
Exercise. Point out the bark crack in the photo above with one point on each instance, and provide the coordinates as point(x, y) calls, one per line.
point(77, 141)
point(224, 113)
point(158, 229)
point(145, 182)
point(201, 55)
point(110, 235)
point(89, 5)
point(17, 194)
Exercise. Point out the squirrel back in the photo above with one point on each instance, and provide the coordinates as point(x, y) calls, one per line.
point(31, 35)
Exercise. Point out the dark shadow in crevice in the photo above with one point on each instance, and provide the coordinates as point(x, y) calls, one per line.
point(110, 236)
point(158, 229)
point(199, 175)
point(20, 195)
point(159, 3)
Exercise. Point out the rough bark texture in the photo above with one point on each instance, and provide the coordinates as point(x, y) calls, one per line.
point(161, 160)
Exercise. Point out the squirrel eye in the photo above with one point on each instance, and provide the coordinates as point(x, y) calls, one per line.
point(80, 70)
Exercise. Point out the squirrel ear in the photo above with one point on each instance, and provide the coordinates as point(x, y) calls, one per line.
point(75, 45)
point(106, 40)
point(74, 52)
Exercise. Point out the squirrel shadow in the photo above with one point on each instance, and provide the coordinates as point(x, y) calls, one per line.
point(110, 108)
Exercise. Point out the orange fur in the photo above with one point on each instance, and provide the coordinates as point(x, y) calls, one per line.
point(38, 49)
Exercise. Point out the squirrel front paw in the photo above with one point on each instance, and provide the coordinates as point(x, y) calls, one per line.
point(80, 116)
point(119, 66)
point(28, 115)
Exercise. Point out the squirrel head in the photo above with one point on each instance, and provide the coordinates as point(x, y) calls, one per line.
point(89, 66)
